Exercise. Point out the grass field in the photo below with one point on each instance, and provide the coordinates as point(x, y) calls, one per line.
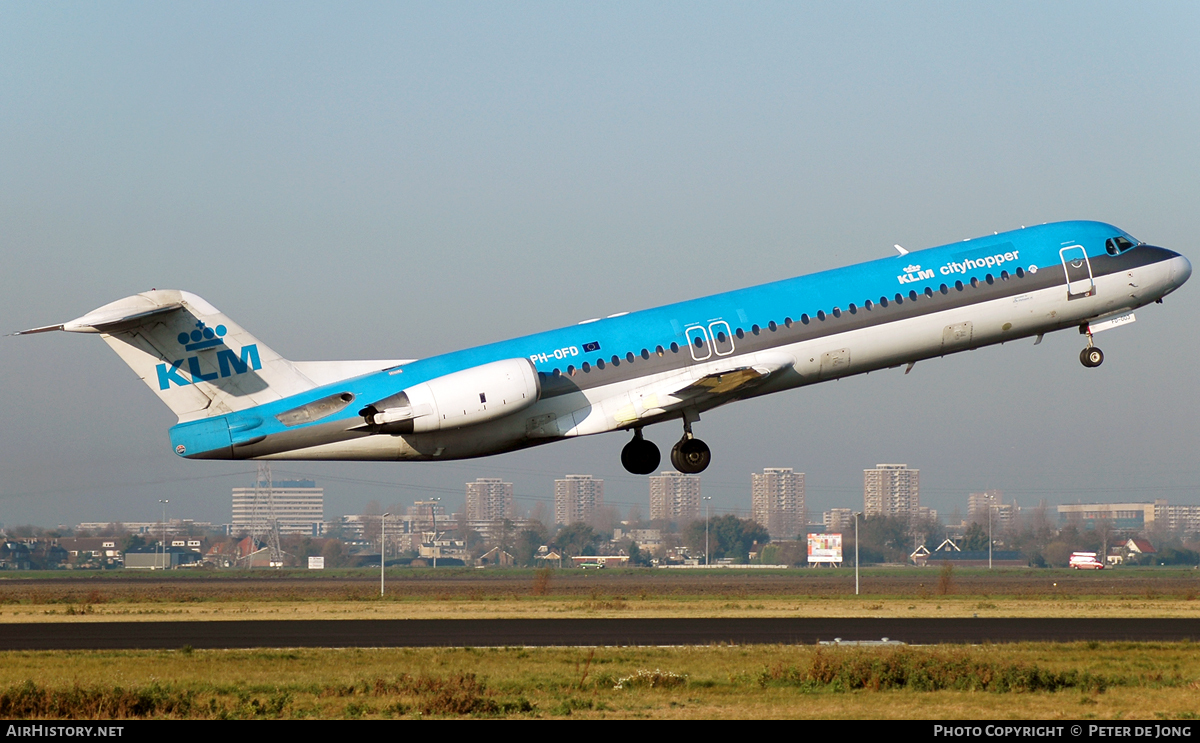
point(1019, 681)
point(1078, 681)
point(460, 593)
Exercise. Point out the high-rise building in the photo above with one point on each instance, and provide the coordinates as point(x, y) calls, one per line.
point(489, 499)
point(675, 496)
point(1176, 518)
point(427, 515)
point(777, 501)
point(978, 504)
point(577, 498)
point(298, 506)
point(839, 519)
point(891, 490)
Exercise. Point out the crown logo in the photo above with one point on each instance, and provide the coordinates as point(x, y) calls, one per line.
point(910, 268)
point(202, 337)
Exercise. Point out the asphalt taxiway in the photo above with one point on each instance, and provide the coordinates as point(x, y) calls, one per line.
point(577, 632)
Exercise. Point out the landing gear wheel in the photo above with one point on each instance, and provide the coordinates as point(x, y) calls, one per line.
point(1091, 357)
point(690, 456)
point(640, 456)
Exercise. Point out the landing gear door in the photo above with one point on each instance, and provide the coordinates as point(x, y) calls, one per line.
point(1078, 271)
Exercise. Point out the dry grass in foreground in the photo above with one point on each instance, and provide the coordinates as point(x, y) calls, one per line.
point(1026, 681)
point(483, 594)
point(598, 606)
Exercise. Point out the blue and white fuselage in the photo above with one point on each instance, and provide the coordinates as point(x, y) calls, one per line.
point(237, 399)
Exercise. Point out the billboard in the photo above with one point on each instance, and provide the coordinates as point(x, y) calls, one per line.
point(824, 548)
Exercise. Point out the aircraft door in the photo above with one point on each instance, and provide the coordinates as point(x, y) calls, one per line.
point(1078, 271)
point(699, 343)
point(721, 337)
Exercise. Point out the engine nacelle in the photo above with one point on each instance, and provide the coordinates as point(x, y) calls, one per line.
point(463, 398)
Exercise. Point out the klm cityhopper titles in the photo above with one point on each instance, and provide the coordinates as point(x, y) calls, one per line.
point(238, 399)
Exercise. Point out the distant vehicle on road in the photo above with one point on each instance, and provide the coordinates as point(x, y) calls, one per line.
point(1085, 561)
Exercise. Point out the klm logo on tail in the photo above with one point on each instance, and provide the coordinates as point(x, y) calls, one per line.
point(228, 363)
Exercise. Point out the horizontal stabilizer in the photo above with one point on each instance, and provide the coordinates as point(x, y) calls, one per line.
point(110, 317)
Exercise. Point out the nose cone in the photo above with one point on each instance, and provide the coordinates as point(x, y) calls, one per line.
point(1181, 270)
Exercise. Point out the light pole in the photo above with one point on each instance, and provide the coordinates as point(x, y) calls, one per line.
point(706, 499)
point(382, 549)
point(989, 535)
point(856, 515)
point(163, 562)
point(433, 513)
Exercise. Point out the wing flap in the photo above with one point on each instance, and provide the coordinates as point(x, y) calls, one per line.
point(721, 385)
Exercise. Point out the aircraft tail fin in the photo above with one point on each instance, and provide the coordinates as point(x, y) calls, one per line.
point(198, 361)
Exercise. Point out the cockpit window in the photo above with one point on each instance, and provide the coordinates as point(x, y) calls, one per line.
point(1117, 245)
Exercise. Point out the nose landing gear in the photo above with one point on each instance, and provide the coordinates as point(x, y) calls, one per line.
point(1091, 357)
point(691, 455)
point(640, 456)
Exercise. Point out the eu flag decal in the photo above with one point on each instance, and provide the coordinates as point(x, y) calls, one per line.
point(590, 347)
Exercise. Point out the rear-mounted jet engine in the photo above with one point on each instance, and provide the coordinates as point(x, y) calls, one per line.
point(463, 398)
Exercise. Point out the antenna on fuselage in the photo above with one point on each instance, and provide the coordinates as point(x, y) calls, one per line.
point(902, 250)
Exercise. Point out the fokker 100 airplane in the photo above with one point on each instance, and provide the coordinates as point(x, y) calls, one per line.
point(238, 399)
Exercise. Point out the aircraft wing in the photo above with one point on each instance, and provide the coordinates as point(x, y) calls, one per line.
point(721, 385)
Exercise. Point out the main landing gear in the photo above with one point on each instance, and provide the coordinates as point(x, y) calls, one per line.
point(640, 456)
point(690, 455)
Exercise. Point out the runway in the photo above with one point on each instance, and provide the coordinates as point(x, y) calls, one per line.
point(578, 632)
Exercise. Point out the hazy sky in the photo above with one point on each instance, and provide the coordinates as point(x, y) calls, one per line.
point(398, 180)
